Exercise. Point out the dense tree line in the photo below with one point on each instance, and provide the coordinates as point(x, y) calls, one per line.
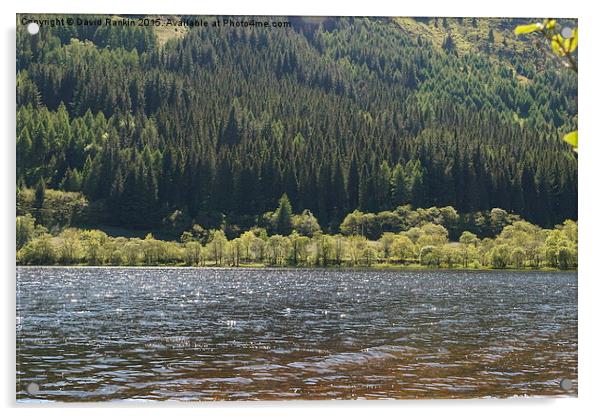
point(436, 237)
point(518, 245)
point(343, 115)
point(56, 210)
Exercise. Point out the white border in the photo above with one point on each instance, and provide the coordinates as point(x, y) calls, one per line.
point(590, 287)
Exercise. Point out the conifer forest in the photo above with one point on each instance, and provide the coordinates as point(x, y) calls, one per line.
point(412, 140)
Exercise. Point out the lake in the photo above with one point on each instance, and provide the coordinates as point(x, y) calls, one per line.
point(90, 334)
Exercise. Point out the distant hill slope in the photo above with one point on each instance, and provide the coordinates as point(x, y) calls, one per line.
point(339, 113)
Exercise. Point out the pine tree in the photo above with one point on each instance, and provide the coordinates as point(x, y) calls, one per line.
point(231, 134)
point(284, 216)
point(399, 192)
point(353, 182)
point(40, 193)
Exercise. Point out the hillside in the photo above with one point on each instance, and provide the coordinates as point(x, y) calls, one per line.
point(338, 113)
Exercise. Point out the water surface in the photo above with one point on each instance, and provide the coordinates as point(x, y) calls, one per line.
point(88, 334)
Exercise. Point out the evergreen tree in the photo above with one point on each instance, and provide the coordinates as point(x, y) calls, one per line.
point(353, 183)
point(284, 216)
point(40, 194)
point(399, 192)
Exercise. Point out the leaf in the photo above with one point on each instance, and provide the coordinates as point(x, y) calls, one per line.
point(524, 29)
point(571, 43)
point(571, 138)
point(557, 44)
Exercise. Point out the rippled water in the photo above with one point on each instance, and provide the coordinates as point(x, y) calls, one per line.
point(214, 334)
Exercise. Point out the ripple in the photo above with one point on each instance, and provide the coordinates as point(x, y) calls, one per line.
point(240, 334)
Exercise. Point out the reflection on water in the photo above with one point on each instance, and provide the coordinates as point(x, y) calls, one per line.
point(185, 334)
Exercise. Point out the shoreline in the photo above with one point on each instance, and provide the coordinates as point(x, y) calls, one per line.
point(287, 268)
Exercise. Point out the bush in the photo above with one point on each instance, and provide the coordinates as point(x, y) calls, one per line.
point(500, 256)
point(58, 208)
point(40, 250)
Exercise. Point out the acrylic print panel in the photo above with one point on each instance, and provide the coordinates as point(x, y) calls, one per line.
point(295, 208)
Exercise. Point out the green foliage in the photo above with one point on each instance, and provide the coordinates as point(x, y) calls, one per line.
point(26, 229)
point(560, 246)
point(70, 250)
point(403, 218)
point(176, 223)
point(552, 31)
point(95, 248)
point(572, 139)
point(217, 246)
point(524, 29)
point(40, 194)
point(52, 208)
point(360, 113)
point(306, 224)
point(298, 248)
point(403, 249)
point(193, 253)
point(519, 245)
point(40, 250)
point(284, 216)
point(350, 123)
point(430, 256)
point(563, 49)
point(500, 256)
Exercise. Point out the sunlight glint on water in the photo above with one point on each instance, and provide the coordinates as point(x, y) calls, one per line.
point(185, 334)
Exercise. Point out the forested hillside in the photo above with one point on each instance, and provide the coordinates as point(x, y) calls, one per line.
point(338, 113)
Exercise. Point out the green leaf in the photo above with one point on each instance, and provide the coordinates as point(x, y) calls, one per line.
point(572, 42)
point(550, 24)
point(556, 43)
point(524, 29)
point(571, 138)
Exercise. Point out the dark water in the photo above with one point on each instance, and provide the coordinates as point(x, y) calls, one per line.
point(155, 334)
